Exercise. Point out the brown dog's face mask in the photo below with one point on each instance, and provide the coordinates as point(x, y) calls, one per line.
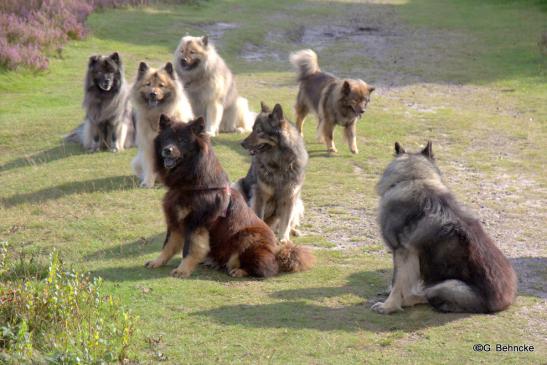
point(356, 96)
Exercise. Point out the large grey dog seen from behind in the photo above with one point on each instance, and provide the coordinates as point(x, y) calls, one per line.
point(441, 253)
point(109, 121)
point(273, 184)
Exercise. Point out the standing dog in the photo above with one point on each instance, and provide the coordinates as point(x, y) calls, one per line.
point(211, 87)
point(206, 219)
point(274, 181)
point(155, 92)
point(434, 240)
point(108, 119)
point(334, 101)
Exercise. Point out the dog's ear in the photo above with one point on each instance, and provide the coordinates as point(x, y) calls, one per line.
point(277, 113)
point(93, 60)
point(169, 69)
point(198, 126)
point(428, 150)
point(165, 122)
point(399, 150)
point(205, 40)
point(116, 58)
point(143, 68)
point(264, 108)
point(346, 88)
point(371, 89)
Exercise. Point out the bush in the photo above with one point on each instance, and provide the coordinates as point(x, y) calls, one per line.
point(30, 30)
point(49, 314)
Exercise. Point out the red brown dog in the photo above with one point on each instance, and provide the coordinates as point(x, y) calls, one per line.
point(205, 216)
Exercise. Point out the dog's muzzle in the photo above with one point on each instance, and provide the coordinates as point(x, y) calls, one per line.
point(169, 158)
point(153, 100)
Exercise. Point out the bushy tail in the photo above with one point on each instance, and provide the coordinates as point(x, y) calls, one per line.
point(455, 296)
point(245, 118)
point(305, 62)
point(76, 135)
point(292, 258)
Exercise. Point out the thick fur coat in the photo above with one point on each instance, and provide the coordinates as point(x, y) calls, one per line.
point(211, 87)
point(109, 120)
point(334, 101)
point(206, 219)
point(441, 253)
point(274, 182)
point(155, 92)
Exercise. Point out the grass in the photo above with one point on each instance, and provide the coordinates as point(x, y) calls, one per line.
point(470, 78)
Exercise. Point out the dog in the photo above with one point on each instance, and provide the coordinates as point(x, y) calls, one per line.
point(211, 87)
point(441, 253)
point(109, 121)
point(332, 100)
point(155, 92)
point(274, 181)
point(206, 219)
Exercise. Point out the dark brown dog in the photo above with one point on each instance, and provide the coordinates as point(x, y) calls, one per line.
point(205, 216)
point(334, 101)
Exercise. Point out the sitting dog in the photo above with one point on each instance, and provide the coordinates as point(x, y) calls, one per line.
point(274, 181)
point(109, 121)
point(208, 220)
point(334, 101)
point(211, 87)
point(441, 253)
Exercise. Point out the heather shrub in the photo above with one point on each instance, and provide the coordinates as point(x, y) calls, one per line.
point(32, 30)
point(49, 314)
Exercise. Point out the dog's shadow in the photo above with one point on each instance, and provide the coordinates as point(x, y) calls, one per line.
point(43, 157)
point(296, 311)
point(106, 184)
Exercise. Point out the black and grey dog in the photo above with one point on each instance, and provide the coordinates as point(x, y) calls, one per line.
point(109, 121)
point(273, 184)
point(441, 253)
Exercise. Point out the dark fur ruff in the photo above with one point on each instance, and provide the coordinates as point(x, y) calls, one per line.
point(196, 182)
point(462, 269)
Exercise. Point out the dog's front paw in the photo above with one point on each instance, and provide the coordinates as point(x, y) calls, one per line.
point(284, 241)
point(238, 273)
point(296, 232)
point(355, 150)
point(332, 150)
point(153, 264)
point(147, 184)
point(181, 273)
point(383, 308)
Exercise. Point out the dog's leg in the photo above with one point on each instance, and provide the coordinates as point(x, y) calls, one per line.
point(301, 111)
point(351, 137)
point(199, 248)
point(149, 175)
point(173, 245)
point(405, 282)
point(234, 267)
point(214, 117)
point(91, 136)
point(327, 132)
point(136, 165)
point(259, 200)
point(119, 136)
point(284, 211)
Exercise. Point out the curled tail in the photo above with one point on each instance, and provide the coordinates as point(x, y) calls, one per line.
point(292, 258)
point(305, 62)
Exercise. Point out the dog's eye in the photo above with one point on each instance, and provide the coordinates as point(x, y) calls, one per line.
point(162, 84)
point(147, 84)
point(192, 52)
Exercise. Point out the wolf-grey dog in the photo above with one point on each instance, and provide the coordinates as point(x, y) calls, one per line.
point(109, 121)
point(334, 101)
point(211, 87)
point(273, 184)
point(441, 253)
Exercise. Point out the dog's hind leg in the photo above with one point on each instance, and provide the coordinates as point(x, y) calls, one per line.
point(199, 248)
point(173, 245)
point(149, 175)
point(119, 135)
point(326, 131)
point(301, 110)
point(91, 136)
point(455, 296)
point(405, 283)
point(258, 260)
point(284, 209)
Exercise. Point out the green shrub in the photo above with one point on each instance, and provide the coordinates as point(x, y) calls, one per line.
point(60, 318)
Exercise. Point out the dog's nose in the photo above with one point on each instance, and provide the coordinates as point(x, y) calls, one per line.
point(167, 151)
point(153, 95)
